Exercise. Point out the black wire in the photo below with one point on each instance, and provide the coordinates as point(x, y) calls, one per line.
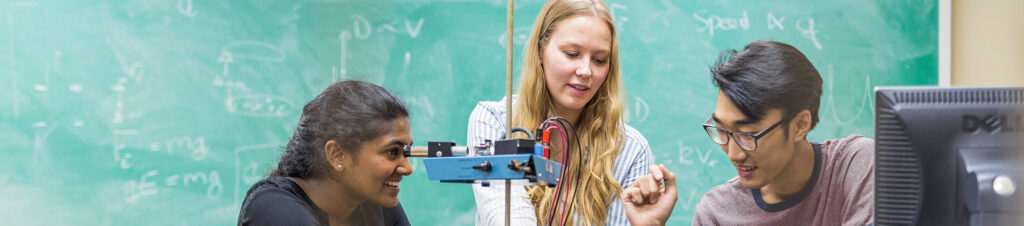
point(573, 130)
point(524, 130)
point(562, 177)
point(563, 123)
point(579, 168)
point(554, 203)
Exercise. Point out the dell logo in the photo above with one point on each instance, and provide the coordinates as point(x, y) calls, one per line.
point(992, 124)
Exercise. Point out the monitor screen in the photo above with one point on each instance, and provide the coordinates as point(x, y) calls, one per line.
point(949, 156)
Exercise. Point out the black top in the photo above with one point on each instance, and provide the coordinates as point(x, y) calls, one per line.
point(776, 207)
point(280, 201)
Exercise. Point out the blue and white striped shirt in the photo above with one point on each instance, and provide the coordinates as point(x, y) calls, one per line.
point(487, 122)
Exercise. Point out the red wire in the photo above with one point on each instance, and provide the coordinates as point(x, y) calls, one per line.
point(557, 187)
point(565, 198)
point(565, 176)
point(566, 165)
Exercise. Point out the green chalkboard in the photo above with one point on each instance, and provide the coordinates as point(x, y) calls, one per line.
point(132, 112)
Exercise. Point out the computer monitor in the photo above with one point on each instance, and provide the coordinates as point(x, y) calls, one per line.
point(949, 156)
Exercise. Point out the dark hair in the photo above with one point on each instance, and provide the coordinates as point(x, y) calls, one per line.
point(348, 112)
point(769, 75)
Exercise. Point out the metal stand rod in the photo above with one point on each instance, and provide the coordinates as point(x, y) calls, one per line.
point(508, 202)
point(508, 108)
point(508, 75)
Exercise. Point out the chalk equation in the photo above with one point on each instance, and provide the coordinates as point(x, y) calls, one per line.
point(194, 146)
point(710, 23)
point(252, 163)
point(703, 156)
point(149, 184)
point(362, 29)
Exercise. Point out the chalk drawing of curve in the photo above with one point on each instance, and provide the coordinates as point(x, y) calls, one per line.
point(256, 105)
point(260, 105)
point(254, 50)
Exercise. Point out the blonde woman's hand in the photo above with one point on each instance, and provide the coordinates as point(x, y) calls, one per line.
point(647, 201)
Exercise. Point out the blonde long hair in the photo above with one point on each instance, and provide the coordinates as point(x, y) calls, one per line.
point(598, 127)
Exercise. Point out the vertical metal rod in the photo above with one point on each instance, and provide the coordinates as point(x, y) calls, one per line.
point(508, 74)
point(508, 108)
point(508, 202)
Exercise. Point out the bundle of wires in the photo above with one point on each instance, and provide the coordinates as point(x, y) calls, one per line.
point(561, 190)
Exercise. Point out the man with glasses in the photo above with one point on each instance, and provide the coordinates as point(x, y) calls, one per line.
point(768, 101)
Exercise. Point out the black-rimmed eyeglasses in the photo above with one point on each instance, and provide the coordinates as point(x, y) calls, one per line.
point(745, 140)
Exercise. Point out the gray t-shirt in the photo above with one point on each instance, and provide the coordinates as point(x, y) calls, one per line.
point(840, 192)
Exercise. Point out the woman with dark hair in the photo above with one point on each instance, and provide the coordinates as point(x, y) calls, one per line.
point(342, 166)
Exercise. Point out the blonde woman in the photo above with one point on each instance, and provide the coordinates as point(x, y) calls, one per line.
point(571, 70)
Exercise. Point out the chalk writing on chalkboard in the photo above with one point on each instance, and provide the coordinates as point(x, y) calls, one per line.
point(185, 8)
point(252, 162)
point(362, 30)
point(741, 21)
point(248, 103)
point(863, 100)
point(703, 157)
point(640, 110)
point(146, 107)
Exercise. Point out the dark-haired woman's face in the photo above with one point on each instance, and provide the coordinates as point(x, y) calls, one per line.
point(375, 171)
